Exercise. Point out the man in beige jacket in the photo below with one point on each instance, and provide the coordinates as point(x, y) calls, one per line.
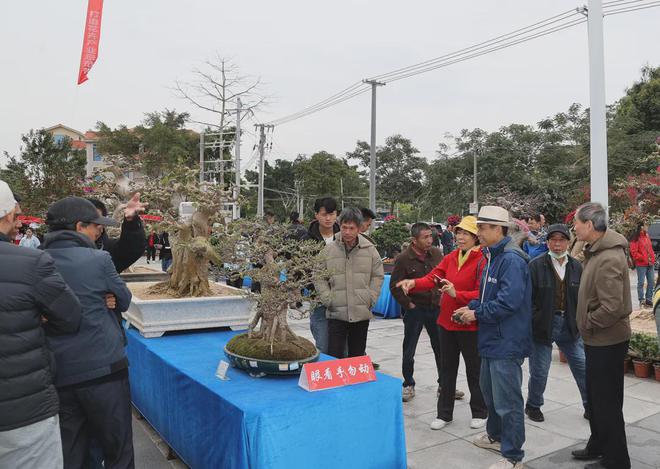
point(353, 288)
point(603, 310)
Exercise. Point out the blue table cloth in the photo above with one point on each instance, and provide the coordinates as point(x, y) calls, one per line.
point(259, 422)
point(386, 305)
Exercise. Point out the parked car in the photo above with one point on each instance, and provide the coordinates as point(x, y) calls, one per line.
point(654, 234)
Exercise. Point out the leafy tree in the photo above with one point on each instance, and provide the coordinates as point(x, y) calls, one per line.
point(399, 171)
point(45, 171)
point(155, 147)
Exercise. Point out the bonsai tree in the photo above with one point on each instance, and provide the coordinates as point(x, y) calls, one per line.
point(390, 237)
point(189, 236)
point(284, 267)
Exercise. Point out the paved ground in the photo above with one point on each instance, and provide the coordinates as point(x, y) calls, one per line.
point(548, 444)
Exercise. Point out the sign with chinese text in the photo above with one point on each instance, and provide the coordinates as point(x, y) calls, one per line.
point(336, 373)
point(90, 49)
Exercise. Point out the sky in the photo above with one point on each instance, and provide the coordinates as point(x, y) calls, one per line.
point(305, 51)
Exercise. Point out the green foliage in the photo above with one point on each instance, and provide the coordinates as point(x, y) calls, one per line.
point(157, 146)
point(400, 172)
point(390, 237)
point(45, 171)
point(644, 347)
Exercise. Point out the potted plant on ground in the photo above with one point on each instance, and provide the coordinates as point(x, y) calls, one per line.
point(645, 348)
point(284, 268)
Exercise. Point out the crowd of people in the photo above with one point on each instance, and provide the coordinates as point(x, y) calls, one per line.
point(495, 292)
point(479, 290)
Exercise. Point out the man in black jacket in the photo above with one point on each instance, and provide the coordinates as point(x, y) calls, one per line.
point(555, 285)
point(92, 381)
point(34, 297)
point(322, 230)
point(132, 241)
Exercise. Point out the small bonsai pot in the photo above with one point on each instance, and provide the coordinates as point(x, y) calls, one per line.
point(642, 368)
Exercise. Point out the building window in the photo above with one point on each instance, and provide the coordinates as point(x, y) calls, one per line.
point(97, 156)
point(59, 139)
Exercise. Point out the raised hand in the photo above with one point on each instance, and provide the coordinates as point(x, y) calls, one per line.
point(134, 207)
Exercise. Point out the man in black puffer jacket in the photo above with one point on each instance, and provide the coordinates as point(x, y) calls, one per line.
point(93, 380)
point(31, 289)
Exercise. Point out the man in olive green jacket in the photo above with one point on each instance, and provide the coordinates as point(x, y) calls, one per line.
point(353, 288)
point(603, 310)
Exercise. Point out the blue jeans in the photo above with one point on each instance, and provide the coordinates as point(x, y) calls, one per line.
point(165, 264)
point(539, 363)
point(645, 273)
point(501, 383)
point(318, 324)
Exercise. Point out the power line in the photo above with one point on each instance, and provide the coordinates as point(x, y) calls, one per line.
point(553, 24)
point(632, 8)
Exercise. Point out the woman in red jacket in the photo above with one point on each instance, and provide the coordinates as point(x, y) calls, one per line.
point(641, 251)
point(458, 276)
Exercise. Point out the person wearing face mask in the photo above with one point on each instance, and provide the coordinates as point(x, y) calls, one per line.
point(555, 284)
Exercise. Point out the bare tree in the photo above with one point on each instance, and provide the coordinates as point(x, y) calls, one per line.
point(215, 89)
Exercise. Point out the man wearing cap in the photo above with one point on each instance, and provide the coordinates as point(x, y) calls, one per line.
point(34, 298)
point(92, 378)
point(504, 338)
point(555, 285)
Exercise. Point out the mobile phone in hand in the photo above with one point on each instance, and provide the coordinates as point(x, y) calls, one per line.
point(457, 318)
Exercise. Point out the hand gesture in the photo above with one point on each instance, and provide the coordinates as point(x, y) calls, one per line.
point(110, 301)
point(448, 288)
point(134, 207)
point(467, 315)
point(406, 285)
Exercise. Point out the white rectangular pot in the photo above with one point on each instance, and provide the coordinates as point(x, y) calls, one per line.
point(155, 317)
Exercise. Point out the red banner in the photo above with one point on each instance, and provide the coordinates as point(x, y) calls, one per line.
point(335, 373)
point(90, 49)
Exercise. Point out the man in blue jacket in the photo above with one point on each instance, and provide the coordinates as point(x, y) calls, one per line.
point(92, 379)
point(504, 312)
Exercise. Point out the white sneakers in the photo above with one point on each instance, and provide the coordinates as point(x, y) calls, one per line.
point(478, 423)
point(439, 424)
point(485, 442)
point(506, 464)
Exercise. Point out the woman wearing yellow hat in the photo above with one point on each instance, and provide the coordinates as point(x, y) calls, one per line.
point(457, 276)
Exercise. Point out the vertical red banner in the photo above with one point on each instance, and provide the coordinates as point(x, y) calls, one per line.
point(90, 48)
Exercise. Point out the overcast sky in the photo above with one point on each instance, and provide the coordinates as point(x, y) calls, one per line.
point(305, 51)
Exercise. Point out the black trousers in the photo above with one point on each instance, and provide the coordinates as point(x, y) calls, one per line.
point(414, 320)
point(151, 253)
point(605, 401)
point(99, 409)
point(454, 344)
point(341, 333)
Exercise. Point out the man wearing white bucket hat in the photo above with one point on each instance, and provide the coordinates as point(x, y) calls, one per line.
point(504, 312)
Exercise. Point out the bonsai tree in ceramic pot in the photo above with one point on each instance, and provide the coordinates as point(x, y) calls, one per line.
point(284, 268)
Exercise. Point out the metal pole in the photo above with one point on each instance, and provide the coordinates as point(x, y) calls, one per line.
point(237, 157)
point(201, 157)
point(260, 197)
point(598, 134)
point(475, 177)
point(372, 149)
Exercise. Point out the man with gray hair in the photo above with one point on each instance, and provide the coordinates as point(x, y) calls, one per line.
point(603, 310)
point(356, 277)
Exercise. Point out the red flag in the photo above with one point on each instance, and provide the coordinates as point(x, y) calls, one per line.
point(90, 49)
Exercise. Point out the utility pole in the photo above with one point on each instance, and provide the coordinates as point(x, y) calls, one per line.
point(201, 157)
point(262, 144)
point(474, 206)
point(372, 149)
point(341, 191)
point(237, 157)
point(598, 129)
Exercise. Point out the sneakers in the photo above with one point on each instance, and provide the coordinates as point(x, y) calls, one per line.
point(478, 423)
point(486, 442)
point(648, 303)
point(507, 464)
point(534, 414)
point(408, 393)
point(458, 395)
point(439, 424)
